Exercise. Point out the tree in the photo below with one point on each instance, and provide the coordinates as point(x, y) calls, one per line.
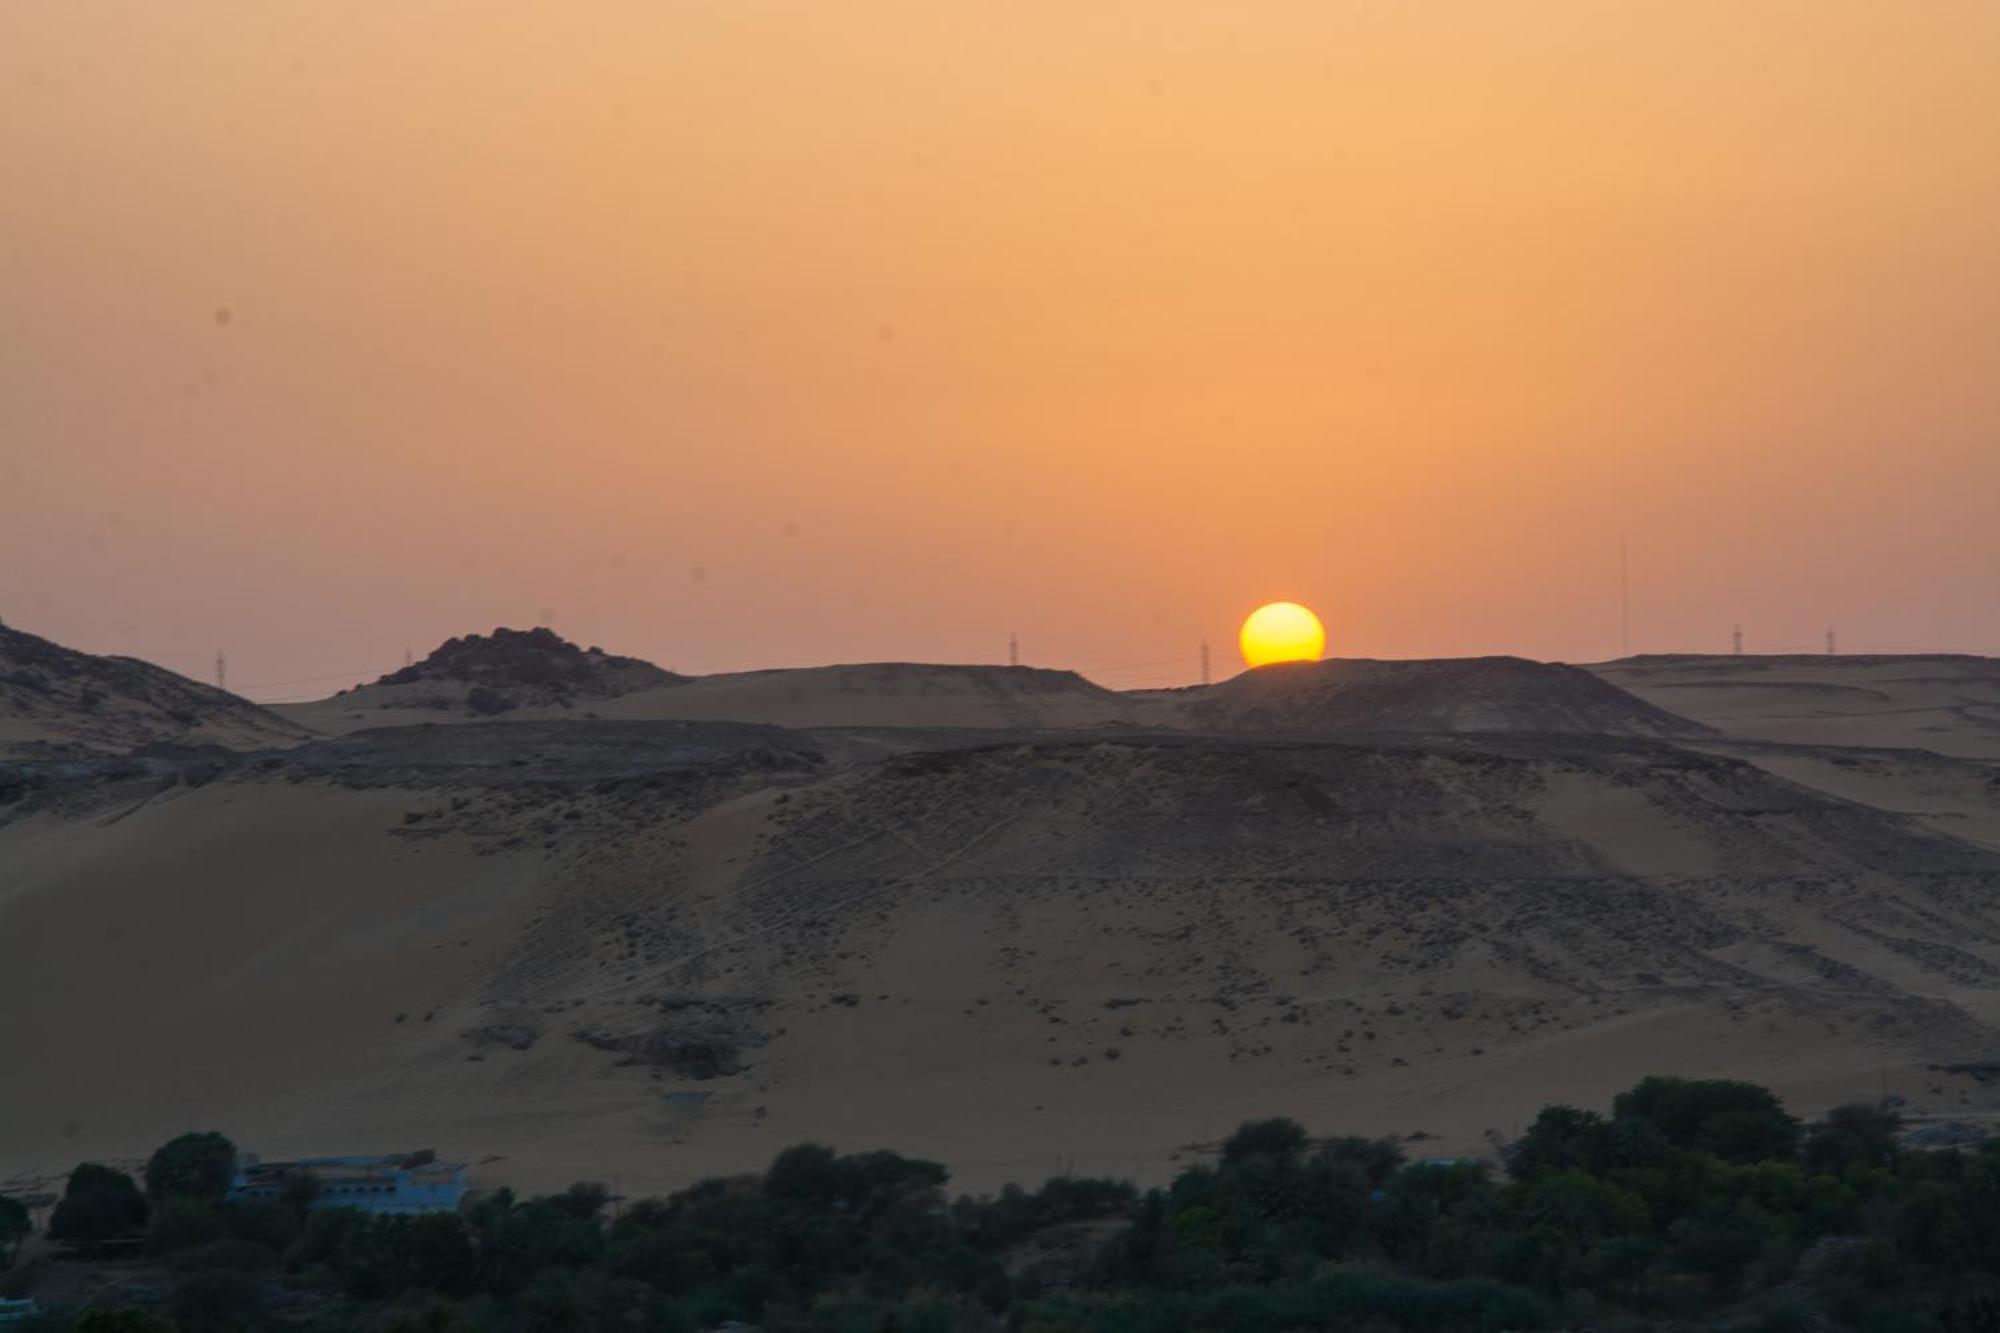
point(183, 1223)
point(1277, 1137)
point(193, 1166)
point(1376, 1159)
point(1738, 1122)
point(1562, 1138)
point(15, 1225)
point(1857, 1134)
point(583, 1200)
point(122, 1319)
point(215, 1299)
point(98, 1204)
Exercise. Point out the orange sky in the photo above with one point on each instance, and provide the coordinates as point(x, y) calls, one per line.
point(752, 333)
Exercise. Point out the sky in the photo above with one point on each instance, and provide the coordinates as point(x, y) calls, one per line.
point(758, 334)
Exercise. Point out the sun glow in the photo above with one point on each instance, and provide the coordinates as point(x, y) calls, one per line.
point(1282, 632)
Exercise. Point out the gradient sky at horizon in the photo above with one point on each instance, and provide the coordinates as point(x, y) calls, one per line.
point(760, 333)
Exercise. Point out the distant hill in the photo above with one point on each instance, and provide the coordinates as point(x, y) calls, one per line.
point(1469, 694)
point(535, 675)
point(892, 694)
point(489, 674)
point(52, 694)
point(1945, 702)
point(869, 694)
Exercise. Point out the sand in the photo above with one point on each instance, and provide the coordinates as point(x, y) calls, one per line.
point(1020, 942)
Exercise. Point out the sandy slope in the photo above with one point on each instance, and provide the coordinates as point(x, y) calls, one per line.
point(1944, 702)
point(658, 950)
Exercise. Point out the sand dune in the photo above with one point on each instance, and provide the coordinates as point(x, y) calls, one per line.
point(990, 914)
point(663, 949)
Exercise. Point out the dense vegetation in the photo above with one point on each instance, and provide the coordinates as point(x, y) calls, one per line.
point(1693, 1204)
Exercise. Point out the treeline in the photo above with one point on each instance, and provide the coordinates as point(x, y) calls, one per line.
point(1692, 1204)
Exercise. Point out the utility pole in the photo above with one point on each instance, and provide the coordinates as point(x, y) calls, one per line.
point(1624, 599)
point(1013, 650)
point(221, 671)
point(1736, 642)
point(1204, 661)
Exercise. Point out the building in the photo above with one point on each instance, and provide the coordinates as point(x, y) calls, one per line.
point(404, 1183)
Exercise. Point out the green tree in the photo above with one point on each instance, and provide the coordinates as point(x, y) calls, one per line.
point(1859, 1134)
point(183, 1223)
point(98, 1204)
point(122, 1319)
point(1739, 1122)
point(15, 1225)
point(193, 1166)
point(1562, 1138)
point(216, 1300)
point(1276, 1137)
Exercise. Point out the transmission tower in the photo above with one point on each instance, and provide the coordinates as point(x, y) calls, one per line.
point(1624, 598)
point(221, 671)
point(1013, 650)
point(1204, 661)
point(1736, 641)
point(1832, 643)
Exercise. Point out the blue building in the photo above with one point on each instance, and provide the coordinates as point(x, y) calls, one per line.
point(402, 1183)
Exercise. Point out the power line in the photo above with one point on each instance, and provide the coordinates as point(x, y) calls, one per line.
point(308, 680)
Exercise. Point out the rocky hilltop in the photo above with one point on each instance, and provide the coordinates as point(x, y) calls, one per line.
point(52, 695)
point(488, 674)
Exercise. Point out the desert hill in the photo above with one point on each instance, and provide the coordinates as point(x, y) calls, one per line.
point(52, 695)
point(885, 694)
point(1949, 703)
point(1475, 694)
point(892, 694)
point(665, 948)
point(483, 675)
point(1486, 694)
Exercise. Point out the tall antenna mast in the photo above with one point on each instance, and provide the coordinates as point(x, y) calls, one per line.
point(1013, 650)
point(1624, 599)
point(221, 671)
point(1736, 641)
point(1204, 661)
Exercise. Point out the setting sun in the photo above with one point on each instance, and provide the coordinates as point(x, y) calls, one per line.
point(1282, 632)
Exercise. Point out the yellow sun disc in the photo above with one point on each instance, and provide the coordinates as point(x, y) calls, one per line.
point(1282, 632)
